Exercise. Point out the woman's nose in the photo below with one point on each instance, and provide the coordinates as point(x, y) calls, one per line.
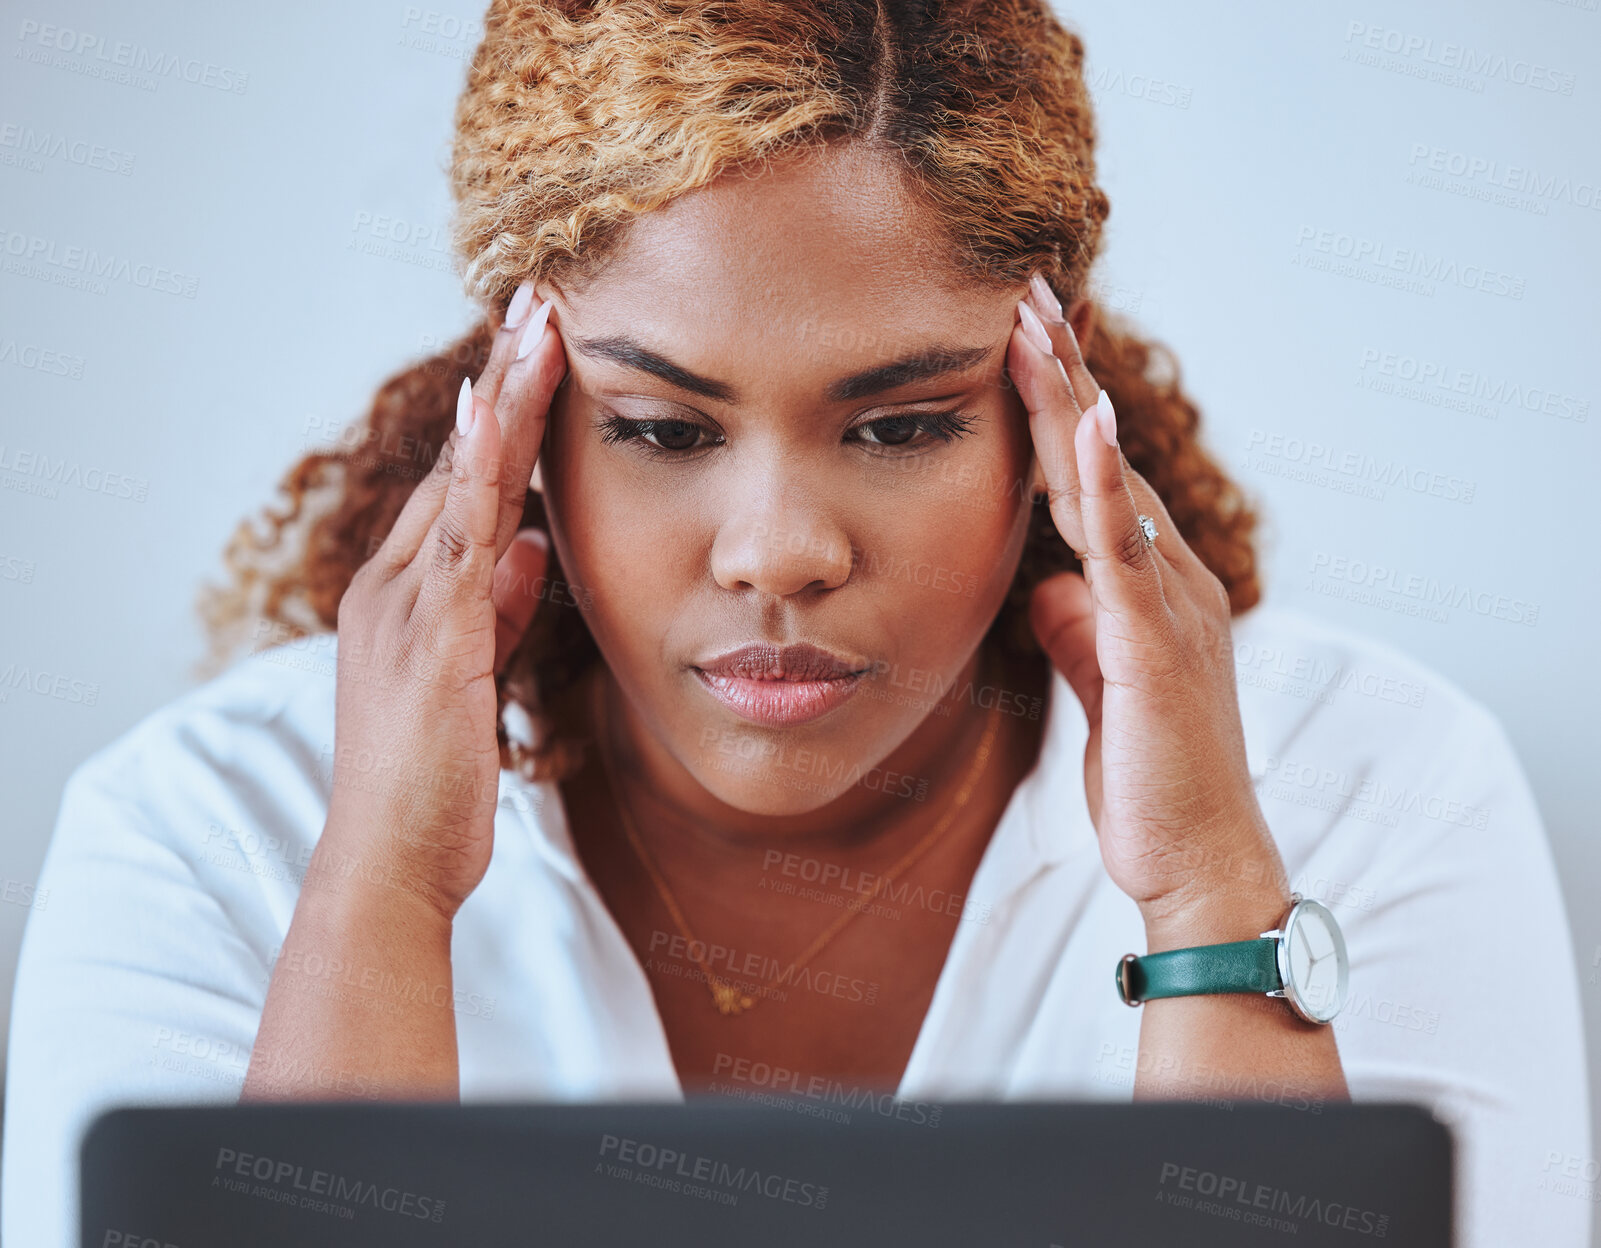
point(781, 547)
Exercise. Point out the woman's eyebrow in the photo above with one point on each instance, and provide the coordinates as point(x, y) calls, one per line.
point(933, 361)
point(625, 351)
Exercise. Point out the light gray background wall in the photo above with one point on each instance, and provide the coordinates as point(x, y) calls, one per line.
point(294, 196)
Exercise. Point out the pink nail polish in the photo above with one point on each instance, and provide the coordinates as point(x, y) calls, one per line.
point(536, 538)
point(1034, 328)
point(535, 330)
point(517, 309)
point(1044, 298)
point(1106, 418)
point(464, 407)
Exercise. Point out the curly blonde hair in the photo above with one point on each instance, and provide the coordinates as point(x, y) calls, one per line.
point(579, 115)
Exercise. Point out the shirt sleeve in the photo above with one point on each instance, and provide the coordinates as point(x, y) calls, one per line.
point(136, 984)
point(1464, 989)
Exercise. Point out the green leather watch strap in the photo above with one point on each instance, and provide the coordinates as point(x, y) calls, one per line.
point(1243, 966)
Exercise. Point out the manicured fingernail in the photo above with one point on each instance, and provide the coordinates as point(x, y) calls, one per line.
point(1044, 298)
point(536, 328)
point(1106, 418)
point(536, 538)
point(1034, 328)
point(517, 309)
point(464, 407)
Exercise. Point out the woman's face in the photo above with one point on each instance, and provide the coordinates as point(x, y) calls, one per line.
point(787, 420)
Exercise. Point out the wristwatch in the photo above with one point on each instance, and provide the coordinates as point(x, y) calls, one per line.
point(1301, 961)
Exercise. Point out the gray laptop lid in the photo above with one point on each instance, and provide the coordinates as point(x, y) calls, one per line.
point(713, 1173)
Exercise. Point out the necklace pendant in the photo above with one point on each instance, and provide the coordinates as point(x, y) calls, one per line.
point(729, 999)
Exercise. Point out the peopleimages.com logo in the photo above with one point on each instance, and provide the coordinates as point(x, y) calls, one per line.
point(1261, 1204)
point(704, 1177)
point(288, 1182)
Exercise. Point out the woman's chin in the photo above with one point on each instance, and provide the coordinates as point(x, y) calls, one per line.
point(763, 788)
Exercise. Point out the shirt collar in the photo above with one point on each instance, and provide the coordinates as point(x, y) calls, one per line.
point(1047, 820)
point(1052, 793)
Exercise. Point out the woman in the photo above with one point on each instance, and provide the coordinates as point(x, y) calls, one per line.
point(809, 662)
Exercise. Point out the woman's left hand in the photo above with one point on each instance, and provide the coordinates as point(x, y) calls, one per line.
point(1144, 639)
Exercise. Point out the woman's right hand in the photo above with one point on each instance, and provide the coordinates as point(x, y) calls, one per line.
point(425, 625)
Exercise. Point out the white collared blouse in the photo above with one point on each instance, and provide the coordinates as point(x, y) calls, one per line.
point(1394, 797)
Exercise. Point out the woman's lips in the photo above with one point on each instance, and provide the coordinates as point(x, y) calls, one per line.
point(778, 686)
point(778, 703)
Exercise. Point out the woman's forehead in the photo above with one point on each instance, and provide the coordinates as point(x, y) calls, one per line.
point(801, 278)
point(836, 237)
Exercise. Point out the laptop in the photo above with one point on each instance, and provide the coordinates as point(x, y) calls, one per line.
point(710, 1173)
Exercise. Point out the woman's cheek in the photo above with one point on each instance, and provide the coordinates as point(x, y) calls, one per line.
point(629, 567)
point(590, 528)
point(556, 475)
point(974, 528)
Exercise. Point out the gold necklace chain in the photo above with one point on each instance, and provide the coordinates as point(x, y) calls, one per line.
point(728, 998)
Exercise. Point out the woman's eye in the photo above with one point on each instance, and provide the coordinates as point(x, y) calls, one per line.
point(901, 430)
point(673, 436)
point(893, 431)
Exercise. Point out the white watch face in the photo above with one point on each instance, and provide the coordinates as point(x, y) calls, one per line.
point(1313, 962)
